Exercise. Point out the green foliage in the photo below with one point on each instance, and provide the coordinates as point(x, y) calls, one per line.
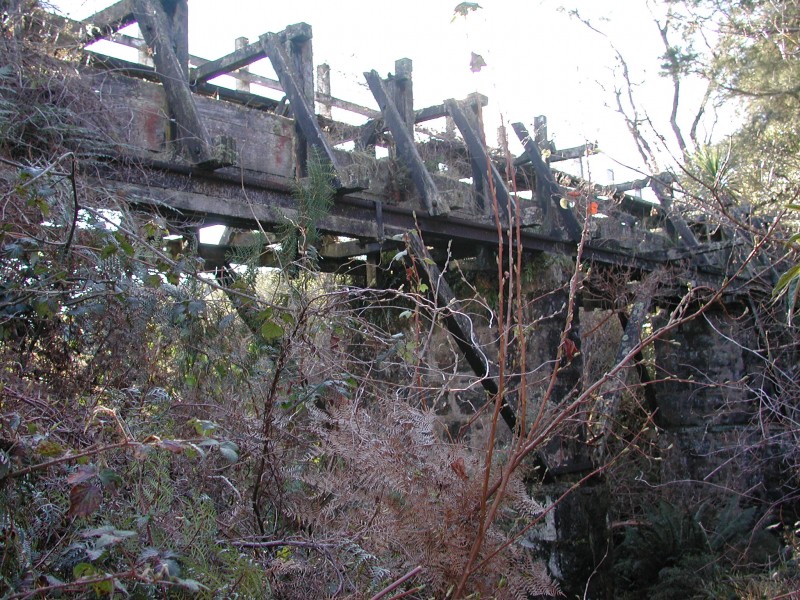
point(314, 195)
point(675, 553)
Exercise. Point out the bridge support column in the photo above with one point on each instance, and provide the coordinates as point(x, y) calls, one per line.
point(706, 395)
point(574, 538)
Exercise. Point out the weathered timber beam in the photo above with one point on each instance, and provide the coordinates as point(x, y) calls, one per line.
point(109, 20)
point(572, 153)
point(636, 184)
point(131, 69)
point(177, 12)
point(189, 194)
point(373, 127)
point(459, 325)
point(349, 249)
point(632, 205)
point(406, 149)
point(346, 105)
point(220, 255)
point(587, 149)
point(550, 188)
point(303, 113)
point(660, 184)
point(479, 157)
point(236, 60)
point(192, 133)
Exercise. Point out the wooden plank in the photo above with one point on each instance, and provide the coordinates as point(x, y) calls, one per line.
point(303, 113)
point(371, 129)
point(191, 132)
point(479, 158)
point(108, 20)
point(550, 189)
point(135, 114)
point(328, 100)
point(238, 59)
point(406, 149)
point(297, 43)
point(458, 324)
point(349, 249)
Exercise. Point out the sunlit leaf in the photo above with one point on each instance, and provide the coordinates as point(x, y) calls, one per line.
point(271, 331)
point(790, 275)
point(84, 570)
point(203, 427)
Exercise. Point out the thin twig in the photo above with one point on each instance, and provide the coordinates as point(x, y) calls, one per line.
point(412, 573)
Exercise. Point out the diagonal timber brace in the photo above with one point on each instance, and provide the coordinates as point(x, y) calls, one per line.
point(660, 184)
point(551, 190)
point(242, 57)
point(433, 201)
point(191, 132)
point(302, 111)
point(109, 20)
point(481, 162)
point(459, 325)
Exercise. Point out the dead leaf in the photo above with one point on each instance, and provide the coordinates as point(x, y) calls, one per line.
point(460, 468)
point(81, 474)
point(84, 499)
point(172, 446)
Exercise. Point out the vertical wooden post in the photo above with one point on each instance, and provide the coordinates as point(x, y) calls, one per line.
point(178, 20)
point(401, 90)
point(144, 55)
point(372, 270)
point(298, 49)
point(540, 132)
point(242, 86)
point(543, 187)
point(479, 175)
point(324, 89)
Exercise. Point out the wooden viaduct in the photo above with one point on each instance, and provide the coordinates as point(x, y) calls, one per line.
point(215, 155)
point(202, 154)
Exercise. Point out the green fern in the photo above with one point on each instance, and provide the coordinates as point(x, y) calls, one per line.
point(314, 196)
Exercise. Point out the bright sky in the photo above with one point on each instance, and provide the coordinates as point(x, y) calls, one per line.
point(539, 60)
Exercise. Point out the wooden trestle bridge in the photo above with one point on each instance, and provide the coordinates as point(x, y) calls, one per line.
point(205, 154)
point(201, 154)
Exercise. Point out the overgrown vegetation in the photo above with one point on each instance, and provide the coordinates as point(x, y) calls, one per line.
point(262, 433)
